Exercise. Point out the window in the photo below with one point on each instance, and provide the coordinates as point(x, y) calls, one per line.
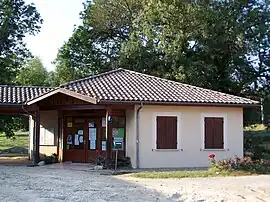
point(47, 136)
point(166, 132)
point(213, 132)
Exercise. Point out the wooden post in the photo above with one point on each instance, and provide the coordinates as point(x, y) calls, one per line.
point(108, 137)
point(37, 134)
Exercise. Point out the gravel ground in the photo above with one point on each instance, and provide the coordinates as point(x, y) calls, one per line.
point(238, 189)
point(46, 184)
point(37, 184)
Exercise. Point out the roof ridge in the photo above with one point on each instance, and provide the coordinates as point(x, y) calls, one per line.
point(92, 76)
point(189, 85)
point(17, 86)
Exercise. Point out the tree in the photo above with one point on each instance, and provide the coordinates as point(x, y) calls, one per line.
point(95, 46)
point(209, 43)
point(33, 73)
point(220, 45)
point(17, 19)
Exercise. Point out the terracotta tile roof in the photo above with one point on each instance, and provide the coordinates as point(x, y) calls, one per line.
point(129, 86)
point(20, 94)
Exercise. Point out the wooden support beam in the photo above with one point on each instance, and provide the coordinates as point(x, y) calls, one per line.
point(108, 137)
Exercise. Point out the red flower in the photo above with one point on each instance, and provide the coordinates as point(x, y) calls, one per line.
point(211, 156)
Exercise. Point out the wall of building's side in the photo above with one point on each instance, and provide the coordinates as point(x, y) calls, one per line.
point(48, 125)
point(31, 136)
point(190, 152)
point(49, 121)
point(131, 136)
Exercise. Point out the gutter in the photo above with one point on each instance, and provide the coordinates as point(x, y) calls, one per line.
point(138, 136)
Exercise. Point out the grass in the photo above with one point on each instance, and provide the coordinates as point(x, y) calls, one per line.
point(258, 128)
point(188, 174)
point(20, 140)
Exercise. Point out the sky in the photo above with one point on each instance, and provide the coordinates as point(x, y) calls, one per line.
point(59, 17)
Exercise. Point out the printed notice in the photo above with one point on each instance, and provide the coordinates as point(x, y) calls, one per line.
point(115, 132)
point(93, 134)
point(69, 139)
point(91, 124)
point(76, 140)
point(92, 144)
point(103, 145)
point(103, 122)
point(80, 132)
point(81, 139)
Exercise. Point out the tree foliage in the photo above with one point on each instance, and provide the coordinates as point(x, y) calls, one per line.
point(95, 46)
point(33, 73)
point(222, 45)
point(17, 19)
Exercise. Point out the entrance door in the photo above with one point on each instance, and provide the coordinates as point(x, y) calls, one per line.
point(75, 140)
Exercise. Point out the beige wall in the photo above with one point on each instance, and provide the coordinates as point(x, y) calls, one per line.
point(131, 136)
point(48, 150)
point(48, 122)
point(190, 152)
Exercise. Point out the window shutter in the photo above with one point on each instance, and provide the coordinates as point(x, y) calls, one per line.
point(214, 133)
point(166, 132)
point(208, 134)
point(219, 133)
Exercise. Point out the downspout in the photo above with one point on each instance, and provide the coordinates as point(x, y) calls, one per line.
point(138, 136)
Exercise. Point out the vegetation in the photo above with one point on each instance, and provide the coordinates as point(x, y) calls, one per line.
point(188, 174)
point(226, 167)
point(17, 19)
point(258, 128)
point(221, 45)
point(33, 73)
point(20, 140)
point(257, 141)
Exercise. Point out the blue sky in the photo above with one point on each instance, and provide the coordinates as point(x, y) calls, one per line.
point(59, 17)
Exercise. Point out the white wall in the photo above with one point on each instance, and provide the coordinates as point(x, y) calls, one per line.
point(190, 152)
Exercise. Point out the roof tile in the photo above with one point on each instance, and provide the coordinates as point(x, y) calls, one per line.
point(20, 94)
point(126, 85)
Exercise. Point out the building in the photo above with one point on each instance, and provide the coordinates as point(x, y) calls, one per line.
point(156, 122)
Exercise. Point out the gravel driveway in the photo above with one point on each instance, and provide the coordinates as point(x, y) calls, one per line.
point(238, 189)
point(46, 184)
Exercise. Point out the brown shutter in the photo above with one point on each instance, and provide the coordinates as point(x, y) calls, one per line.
point(208, 133)
point(219, 133)
point(166, 132)
point(214, 133)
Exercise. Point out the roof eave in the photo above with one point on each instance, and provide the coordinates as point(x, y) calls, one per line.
point(66, 92)
point(183, 103)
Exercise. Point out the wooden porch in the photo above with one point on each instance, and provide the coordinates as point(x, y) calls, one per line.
point(85, 130)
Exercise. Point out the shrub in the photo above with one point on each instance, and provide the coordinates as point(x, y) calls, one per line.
point(253, 146)
point(241, 164)
point(51, 159)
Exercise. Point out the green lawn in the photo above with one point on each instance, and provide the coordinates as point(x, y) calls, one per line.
point(20, 140)
point(188, 174)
